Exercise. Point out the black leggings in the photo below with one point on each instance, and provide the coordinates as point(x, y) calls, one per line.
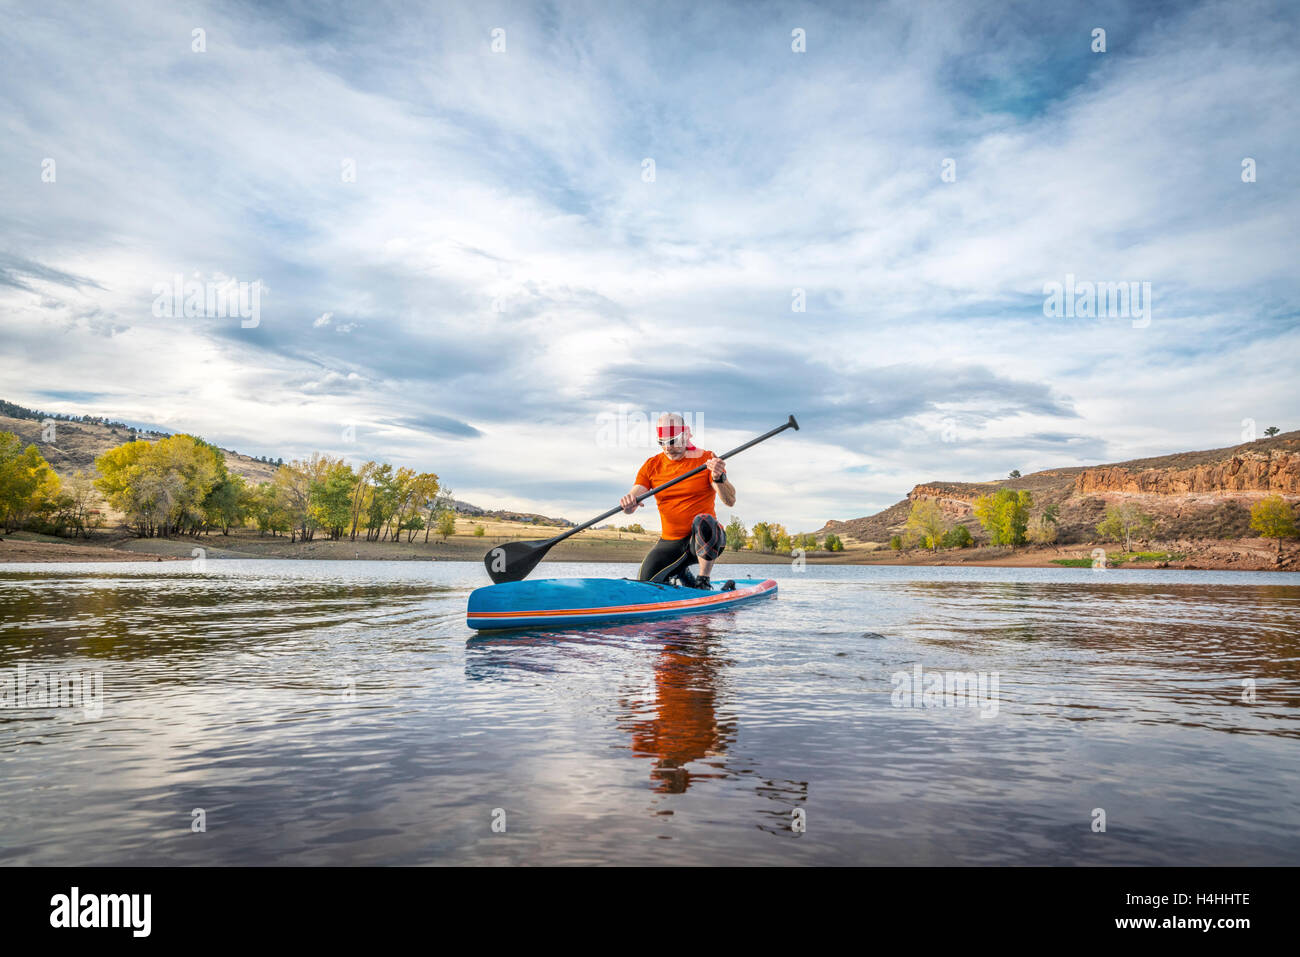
point(670, 555)
point(667, 558)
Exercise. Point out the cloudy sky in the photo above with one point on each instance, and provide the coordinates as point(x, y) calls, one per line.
point(612, 213)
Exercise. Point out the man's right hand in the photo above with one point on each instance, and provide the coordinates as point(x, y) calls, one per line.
point(629, 503)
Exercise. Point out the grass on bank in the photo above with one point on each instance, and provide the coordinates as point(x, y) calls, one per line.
point(1115, 559)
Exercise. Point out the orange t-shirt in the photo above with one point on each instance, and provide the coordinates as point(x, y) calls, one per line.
point(679, 505)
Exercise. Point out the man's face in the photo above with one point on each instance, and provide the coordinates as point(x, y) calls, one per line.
point(673, 440)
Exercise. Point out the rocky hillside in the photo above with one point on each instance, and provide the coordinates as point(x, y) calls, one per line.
point(76, 444)
point(1193, 495)
point(1242, 469)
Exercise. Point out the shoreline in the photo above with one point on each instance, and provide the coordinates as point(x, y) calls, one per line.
point(27, 548)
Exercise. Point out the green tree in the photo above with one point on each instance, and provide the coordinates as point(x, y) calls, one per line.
point(777, 532)
point(1273, 518)
point(1123, 522)
point(446, 521)
point(331, 495)
point(736, 534)
point(762, 535)
point(400, 494)
point(1271, 431)
point(833, 543)
point(958, 536)
point(636, 528)
point(202, 467)
point(1004, 515)
point(266, 511)
point(896, 542)
point(380, 501)
point(1014, 473)
point(479, 531)
point(927, 523)
point(228, 503)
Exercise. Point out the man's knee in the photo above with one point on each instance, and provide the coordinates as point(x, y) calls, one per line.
point(708, 539)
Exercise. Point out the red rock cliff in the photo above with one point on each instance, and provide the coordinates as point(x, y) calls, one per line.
point(1276, 470)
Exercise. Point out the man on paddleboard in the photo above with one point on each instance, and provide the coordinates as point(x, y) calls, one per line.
point(690, 531)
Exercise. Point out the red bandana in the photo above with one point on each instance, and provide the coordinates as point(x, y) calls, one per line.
point(669, 431)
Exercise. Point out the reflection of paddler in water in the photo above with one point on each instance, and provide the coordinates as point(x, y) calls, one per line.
point(675, 727)
point(684, 726)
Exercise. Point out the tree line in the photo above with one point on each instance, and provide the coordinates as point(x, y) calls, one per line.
point(180, 485)
point(772, 537)
point(1005, 516)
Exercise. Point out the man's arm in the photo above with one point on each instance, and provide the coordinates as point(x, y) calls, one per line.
point(629, 502)
point(726, 491)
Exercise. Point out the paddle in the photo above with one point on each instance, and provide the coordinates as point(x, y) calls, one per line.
point(513, 561)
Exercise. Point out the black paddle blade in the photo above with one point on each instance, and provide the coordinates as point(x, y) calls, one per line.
point(513, 561)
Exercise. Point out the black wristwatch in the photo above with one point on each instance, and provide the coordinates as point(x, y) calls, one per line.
point(721, 478)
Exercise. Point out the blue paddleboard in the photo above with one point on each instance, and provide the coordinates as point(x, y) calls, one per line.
point(571, 602)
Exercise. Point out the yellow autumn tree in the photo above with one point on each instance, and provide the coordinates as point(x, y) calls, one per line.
point(160, 487)
point(28, 486)
point(927, 524)
point(1273, 518)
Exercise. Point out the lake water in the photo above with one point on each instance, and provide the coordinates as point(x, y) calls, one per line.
point(288, 712)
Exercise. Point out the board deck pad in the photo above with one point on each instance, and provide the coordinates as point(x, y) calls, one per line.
point(574, 602)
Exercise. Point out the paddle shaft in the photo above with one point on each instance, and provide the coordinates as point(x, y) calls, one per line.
point(792, 424)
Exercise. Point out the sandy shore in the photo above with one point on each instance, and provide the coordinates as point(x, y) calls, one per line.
point(22, 552)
